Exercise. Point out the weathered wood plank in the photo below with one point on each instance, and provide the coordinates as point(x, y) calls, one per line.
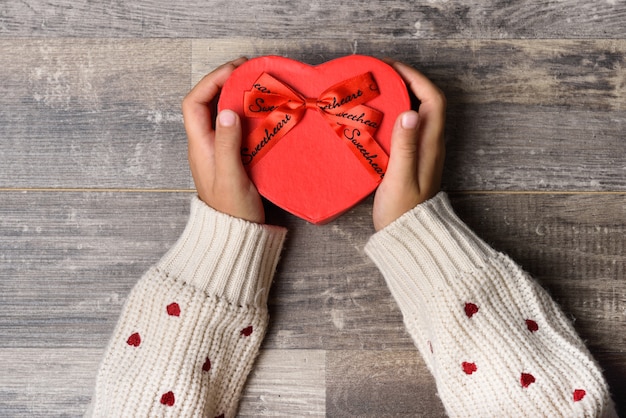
point(68, 262)
point(320, 19)
point(103, 114)
point(327, 295)
point(397, 384)
point(290, 383)
point(536, 94)
point(47, 382)
point(569, 74)
point(59, 382)
point(70, 259)
point(39, 382)
point(380, 384)
point(614, 365)
point(93, 113)
point(523, 115)
point(574, 245)
point(502, 147)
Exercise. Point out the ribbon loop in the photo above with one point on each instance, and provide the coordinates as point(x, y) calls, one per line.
point(341, 105)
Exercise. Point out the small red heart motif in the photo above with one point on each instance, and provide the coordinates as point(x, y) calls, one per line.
point(531, 325)
point(470, 309)
point(311, 172)
point(207, 365)
point(527, 379)
point(579, 394)
point(469, 368)
point(134, 340)
point(247, 331)
point(173, 309)
point(168, 399)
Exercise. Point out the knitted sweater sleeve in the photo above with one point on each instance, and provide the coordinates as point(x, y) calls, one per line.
point(495, 342)
point(192, 326)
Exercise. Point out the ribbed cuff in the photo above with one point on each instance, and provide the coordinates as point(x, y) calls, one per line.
point(427, 246)
point(225, 256)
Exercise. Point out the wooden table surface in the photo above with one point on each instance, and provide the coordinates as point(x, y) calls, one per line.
point(94, 183)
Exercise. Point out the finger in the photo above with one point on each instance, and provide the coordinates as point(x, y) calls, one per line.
point(431, 148)
point(404, 153)
point(197, 104)
point(207, 88)
point(228, 163)
point(431, 158)
point(427, 92)
point(433, 102)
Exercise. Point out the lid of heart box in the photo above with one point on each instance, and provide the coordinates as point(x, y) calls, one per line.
point(318, 169)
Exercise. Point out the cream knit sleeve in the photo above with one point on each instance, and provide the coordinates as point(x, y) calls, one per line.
point(495, 342)
point(191, 328)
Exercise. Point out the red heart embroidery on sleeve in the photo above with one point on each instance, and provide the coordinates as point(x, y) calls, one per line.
point(207, 365)
point(531, 325)
point(527, 379)
point(168, 399)
point(469, 368)
point(247, 331)
point(470, 309)
point(173, 309)
point(134, 340)
point(579, 394)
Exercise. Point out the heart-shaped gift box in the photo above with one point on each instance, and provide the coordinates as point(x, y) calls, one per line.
point(315, 138)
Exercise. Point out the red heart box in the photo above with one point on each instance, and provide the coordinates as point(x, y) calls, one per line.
point(311, 172)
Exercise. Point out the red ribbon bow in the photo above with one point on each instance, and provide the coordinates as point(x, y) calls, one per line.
point(340, 105)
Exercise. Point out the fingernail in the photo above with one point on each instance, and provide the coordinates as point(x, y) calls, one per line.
point(409, 120)
point(227, 118)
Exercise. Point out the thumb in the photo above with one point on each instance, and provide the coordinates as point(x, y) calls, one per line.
point(227, 145)
point(404, 148)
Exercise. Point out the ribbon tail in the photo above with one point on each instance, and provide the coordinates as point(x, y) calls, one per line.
point(275, 126)
point(363, 117)
point(365, 148)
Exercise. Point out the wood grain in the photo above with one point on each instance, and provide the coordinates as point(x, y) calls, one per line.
point(105, 114)
point(522, 114)
point(570, 245)
point(39, 383)
point(68, 263)
point(93, 113)
point(94, 184)
point(574, 245)
point(318, 19)
point(534, 148)
point(69, 260)
point(380, 384)
point(393, 383)
point(288, 383)
point(35, 382)
point(569, 74)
